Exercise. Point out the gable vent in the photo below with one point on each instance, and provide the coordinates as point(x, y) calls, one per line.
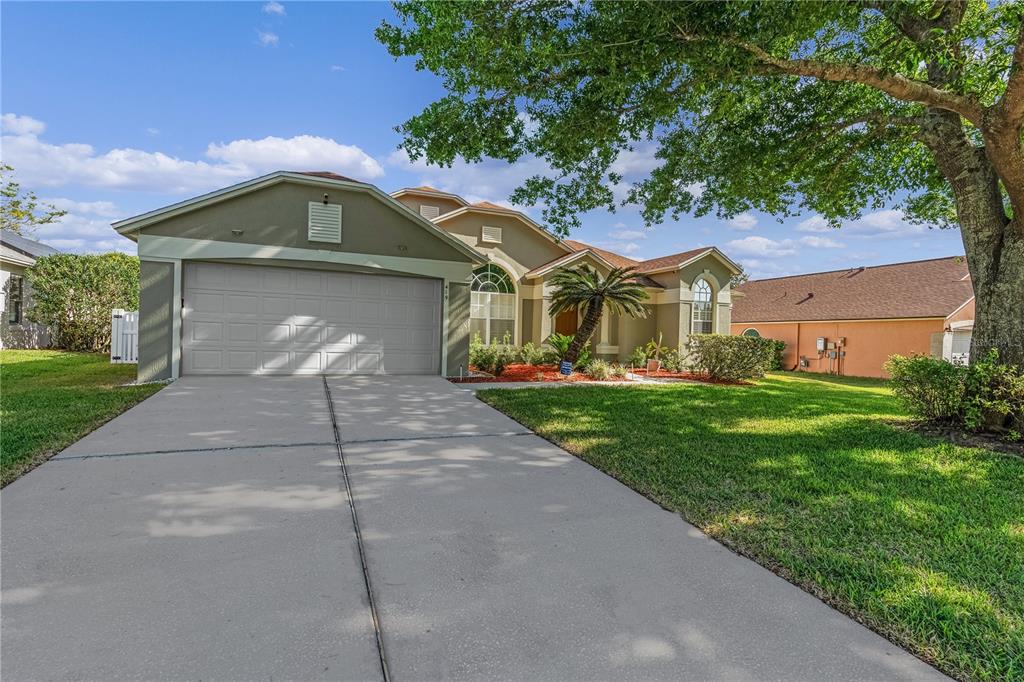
point(429, 212)
point(324, 222)
point(491, 234)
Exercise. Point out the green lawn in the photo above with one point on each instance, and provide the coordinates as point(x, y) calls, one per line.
point(50, 399)
point(921, 540)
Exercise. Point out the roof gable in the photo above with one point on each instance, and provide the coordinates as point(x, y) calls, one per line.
point(130, 226)
point(929, 288)
point(29, 247)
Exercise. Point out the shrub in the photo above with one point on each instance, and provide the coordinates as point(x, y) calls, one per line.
point(983, 396)
point(638, 358)
point(671, 360)
point(928, 388)
point(732, 358)
point(599, 369)
point(778, 348)
point(74, 295)
point(618, 371)
point(561, 342)
point(532, 354)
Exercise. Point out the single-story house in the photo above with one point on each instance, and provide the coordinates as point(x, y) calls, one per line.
point(17, 254)
point(851, 321)
point(309, 272)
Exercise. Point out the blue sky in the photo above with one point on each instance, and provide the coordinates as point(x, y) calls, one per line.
point(112, 109)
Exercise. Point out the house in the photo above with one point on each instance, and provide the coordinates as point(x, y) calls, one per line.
point(18, 253)
point(301, 273)
point(851, 321)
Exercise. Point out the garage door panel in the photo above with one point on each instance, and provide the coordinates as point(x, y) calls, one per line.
point(243, 319)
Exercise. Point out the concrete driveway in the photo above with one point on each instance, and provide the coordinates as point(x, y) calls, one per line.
point(207, 534)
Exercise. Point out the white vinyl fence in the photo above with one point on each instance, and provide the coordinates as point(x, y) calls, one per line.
point(124, 336)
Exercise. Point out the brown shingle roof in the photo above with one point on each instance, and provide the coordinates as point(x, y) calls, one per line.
point(669, 261)
point(491, 204)
point(613, 258)
point(327, 174)
point(928, 288)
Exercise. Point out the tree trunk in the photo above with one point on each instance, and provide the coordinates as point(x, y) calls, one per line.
point(993, 243)
point(590, 321)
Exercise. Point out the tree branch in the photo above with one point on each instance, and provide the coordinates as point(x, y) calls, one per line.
point(893, 84)
point(1012, 103)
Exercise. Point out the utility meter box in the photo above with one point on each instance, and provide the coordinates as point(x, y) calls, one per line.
point(841, 341)
point(821, 344)
point(831, 345)
point(832, 354)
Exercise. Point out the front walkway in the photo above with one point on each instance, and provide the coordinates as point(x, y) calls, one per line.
point(206, 534)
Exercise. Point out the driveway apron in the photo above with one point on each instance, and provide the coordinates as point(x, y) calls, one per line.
point(496, 555)
point(207, 534)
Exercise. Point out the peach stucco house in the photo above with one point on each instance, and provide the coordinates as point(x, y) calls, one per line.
point(862, 315)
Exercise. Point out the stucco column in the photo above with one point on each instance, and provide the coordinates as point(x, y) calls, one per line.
point(545, 319)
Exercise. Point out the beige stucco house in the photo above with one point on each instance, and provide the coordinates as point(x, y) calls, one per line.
point(303, 273)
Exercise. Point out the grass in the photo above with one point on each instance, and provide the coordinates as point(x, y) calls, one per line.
point(921, 540)
point(50, 399)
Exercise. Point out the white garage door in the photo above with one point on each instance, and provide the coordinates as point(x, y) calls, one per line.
point(246, 319)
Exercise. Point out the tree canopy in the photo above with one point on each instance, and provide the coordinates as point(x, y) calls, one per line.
point(777, 106)
point(20, 211)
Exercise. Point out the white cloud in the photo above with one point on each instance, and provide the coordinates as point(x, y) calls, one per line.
point(12, 124)
point(41, 164)
point(337, 67)
point(153, 131)
point(744, 221)
point(303, 152)
point(274, 7)
point(489, 180)
point(638, 161)
point(626, 235)
point(104, 209)
point(889, 222)
point(761, 247)
point(268, 39)
point(814, 224)
point(758, 268)
point(821, 242)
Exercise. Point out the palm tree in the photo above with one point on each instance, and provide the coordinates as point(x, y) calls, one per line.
point(584, 287)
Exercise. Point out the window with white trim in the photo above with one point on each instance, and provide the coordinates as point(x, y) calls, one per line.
point(703, 307)
point(15, 292)
point(751, 332)
point(492, 308)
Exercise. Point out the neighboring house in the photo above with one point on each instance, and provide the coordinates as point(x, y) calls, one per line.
point(18, 253)
point(301, 273)
point(863, 315)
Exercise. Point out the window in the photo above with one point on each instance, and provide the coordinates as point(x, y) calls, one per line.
point(492, 309)
point(703, 308)
point(15, 287)
point(429, 212)
point(752, 333)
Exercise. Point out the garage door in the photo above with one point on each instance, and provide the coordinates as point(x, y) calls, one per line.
point(245, 319)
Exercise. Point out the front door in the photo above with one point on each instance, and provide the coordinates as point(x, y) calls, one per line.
point(566, 323)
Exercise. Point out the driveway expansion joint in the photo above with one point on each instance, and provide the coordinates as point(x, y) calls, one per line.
point(185, 451)
point(374, 616)
point(438, 436)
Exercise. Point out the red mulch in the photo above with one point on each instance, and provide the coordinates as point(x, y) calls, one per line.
point(692, 376)
point(521, 372)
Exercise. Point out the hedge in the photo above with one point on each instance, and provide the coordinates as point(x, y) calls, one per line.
point(73, 295)
point(733, 358)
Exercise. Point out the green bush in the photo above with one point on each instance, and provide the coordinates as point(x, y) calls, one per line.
point(561, 342)
point(492, 357)
point(638, 358)
point(671, 360)
point(531, 354)
point(618, 371)
point(733, 358)
point(930, 389)
point(73, 295)
point(778, 348)
point(983, 396)
point(599, 369)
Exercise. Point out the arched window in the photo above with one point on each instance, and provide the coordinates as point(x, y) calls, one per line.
point(703, 308)
point(492, 310)
point(752, 333)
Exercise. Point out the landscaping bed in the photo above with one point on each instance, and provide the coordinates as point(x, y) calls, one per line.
point(919, 539)
point(50, 399)
point(519, 372)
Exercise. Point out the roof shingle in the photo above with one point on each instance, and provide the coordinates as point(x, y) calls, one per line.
point(927, 288)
